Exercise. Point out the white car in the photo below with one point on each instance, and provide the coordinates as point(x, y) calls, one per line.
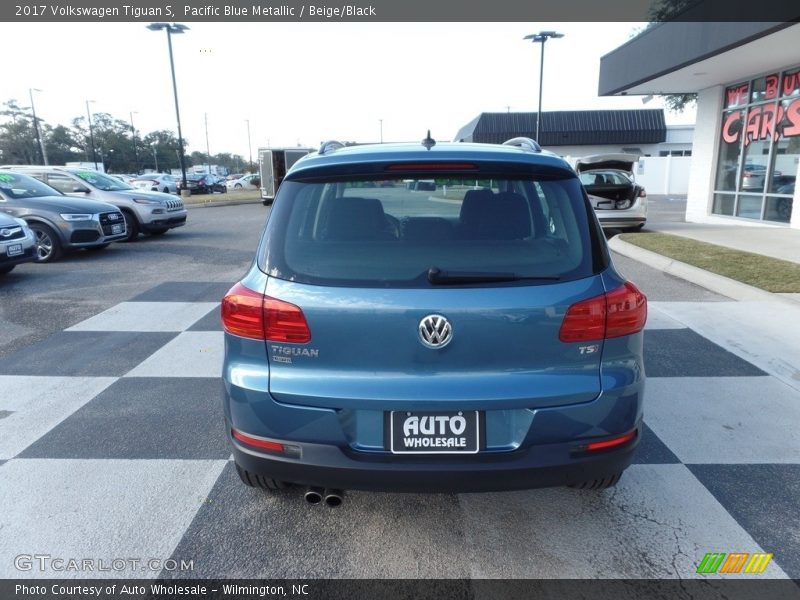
point(244, 182)
point(156, 182)
point(17, 243)
point(618, 201)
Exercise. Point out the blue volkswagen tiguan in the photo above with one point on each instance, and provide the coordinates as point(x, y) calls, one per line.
point(432, 318)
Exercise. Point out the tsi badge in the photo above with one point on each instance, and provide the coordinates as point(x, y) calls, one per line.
point(434, 432)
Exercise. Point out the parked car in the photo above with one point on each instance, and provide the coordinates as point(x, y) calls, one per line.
point(17, 242)
point(203, 184)
point(754, 176)
point(59, 222)
point(154, 213)
point(124, 178)
point(234, 176)
point(384, 339)
point(156, 182)
point(618, 201)
point(251, 181)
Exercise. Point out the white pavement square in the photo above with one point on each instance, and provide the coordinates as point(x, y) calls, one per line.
point(99, 509)
point(190, 354)
point(658, 319)
point(37, 404)
point(657, 523)
point(725, 420)
point(147, 316)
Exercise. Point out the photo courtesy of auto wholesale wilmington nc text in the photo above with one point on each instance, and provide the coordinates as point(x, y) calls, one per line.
point(134, 589)
point(181, 11)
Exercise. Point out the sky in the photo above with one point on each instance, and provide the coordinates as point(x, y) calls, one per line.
point(301, 83)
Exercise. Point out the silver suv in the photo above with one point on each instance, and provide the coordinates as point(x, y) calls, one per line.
point(144, 211)
point(17, 243)
point(59, 222)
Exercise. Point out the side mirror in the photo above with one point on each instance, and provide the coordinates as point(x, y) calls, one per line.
point(80, 189)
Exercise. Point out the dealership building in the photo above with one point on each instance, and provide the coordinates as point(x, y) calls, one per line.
point(746, 149)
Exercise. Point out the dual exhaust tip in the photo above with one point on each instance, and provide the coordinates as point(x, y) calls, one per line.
point(331, 497)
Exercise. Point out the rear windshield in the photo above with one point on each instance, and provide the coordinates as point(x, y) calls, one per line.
point(102, 182)
point(393, 232)
point(605, 178)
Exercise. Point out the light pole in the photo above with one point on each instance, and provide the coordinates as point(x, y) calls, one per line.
point(174, 28)
point(133, 137)
point(249, 145)
point(91, 133)
point(381, 123)
point(542, 37)
point(155, 156)
point(208, 149)
point(39, 139)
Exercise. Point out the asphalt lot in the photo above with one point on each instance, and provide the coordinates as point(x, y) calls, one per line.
point(112, 445)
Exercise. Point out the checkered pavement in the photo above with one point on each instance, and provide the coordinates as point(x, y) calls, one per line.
point(112, 445)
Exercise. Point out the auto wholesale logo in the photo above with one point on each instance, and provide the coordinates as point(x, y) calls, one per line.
point(735, 562)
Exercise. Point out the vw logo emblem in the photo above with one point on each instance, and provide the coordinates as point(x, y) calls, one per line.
point(5, 233)
point(435, 331)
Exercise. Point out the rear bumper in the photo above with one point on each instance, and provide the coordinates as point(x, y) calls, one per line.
point(537, 466)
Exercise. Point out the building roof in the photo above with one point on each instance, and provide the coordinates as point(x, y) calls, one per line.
point(570, 127)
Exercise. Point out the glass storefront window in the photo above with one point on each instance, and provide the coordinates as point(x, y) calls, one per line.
point(778, 209)
point(729, 150)
point(759, 144)
point(723, 204)
point(749, 206)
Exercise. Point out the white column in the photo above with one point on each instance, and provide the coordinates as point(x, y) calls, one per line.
point(705, 148)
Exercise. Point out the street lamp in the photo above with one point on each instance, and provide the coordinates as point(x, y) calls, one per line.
point(133, 137)
point(249, 145)
point(91, 133)
point(155, 156)
point(39, 136)
point(542, 37)
point(170, 29)
point(381, 123)
point(208, 148)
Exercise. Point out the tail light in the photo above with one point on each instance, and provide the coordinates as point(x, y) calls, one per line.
point(617, 313)
point(255, 316)
point(642, 193)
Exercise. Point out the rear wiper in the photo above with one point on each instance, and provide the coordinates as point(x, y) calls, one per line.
point(438, 277)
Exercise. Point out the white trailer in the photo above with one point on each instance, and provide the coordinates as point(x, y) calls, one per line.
point(273, 163)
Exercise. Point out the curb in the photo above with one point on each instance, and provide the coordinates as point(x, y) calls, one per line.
point(211, 204)
point(711, 281)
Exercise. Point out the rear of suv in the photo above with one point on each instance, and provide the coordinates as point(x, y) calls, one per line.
point(145, 211)
point(470, 334)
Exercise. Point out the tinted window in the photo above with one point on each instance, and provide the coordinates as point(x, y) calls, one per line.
point(101, 182)
point(14, 185)
point(392, 232)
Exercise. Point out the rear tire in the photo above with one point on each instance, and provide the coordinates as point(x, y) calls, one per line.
point(258, 481)
point(598, 484)
point(48, 246)
point(635, 228)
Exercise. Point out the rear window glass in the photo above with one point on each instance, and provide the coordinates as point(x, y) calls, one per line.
point(392, 232)
point(605, 178)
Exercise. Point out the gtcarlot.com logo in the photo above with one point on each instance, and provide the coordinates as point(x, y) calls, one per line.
point(735, 562)
point(47, 562)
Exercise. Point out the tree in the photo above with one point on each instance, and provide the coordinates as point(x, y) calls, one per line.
point(17, 136)
point(62, 145)
point(165, 145)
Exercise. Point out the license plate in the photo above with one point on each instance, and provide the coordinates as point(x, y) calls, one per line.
point(14, 249)
point(455, 432)
point(117, 228)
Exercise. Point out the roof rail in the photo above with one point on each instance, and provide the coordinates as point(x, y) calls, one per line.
point(525, 143)
point(330, 146)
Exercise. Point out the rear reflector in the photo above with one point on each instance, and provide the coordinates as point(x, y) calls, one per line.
point(255, 316)
point(256, 442)
point(620, 312)
point(612, 443)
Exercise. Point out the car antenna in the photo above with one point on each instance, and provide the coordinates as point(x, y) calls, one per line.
point(429, 142)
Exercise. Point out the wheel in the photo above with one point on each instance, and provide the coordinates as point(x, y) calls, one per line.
point(634, 228)
point(158, 231)
point(7, 269)
point(98, 248)
point(238, 186)
point(257, 481)
point(165, 190)
point(598, 484)
point(48, 246)
point(224, 190)
point(131, 226)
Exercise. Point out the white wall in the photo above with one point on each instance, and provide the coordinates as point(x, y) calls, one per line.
point(664, 174)
point(704, 156)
